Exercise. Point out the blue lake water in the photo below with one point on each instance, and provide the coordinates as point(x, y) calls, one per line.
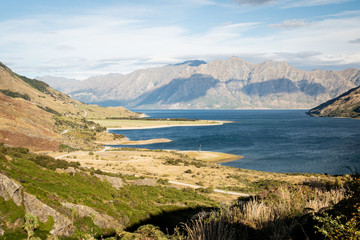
point(269, 140)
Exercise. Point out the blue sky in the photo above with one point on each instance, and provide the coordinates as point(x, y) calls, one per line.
point(82, 38)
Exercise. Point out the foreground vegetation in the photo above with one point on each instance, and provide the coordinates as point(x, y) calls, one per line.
point(46, 178)
point(312, 209)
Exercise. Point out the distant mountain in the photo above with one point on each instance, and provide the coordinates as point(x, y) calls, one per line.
point(31, 113)
point(60, 83)
point(345, 105)
point(233, 83)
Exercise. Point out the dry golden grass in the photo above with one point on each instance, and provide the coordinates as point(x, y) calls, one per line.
point(274, 217)
point(177, 166)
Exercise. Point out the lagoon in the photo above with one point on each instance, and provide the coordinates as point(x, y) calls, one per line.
point(269, 140)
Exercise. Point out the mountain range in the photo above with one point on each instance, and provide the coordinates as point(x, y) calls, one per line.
point(222, 84)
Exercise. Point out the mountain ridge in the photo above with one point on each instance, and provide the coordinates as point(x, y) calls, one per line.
point(239, 85)
point(35, 116)
point(346, 105)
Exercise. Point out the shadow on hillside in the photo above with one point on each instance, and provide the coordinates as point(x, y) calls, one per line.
point(167, 221)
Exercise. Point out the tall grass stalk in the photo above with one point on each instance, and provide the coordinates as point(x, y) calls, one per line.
point(273, 216)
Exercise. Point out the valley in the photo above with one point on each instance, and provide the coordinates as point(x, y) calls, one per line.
point(58, 181)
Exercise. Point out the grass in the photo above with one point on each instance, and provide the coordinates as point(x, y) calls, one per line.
point(129, 205)
point(276, 214)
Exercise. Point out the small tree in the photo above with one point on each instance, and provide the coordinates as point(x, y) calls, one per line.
point(30, 225)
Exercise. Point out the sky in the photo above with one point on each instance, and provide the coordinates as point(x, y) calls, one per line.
point(82, 38)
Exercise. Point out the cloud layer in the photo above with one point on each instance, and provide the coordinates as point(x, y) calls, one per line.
point(123, 39)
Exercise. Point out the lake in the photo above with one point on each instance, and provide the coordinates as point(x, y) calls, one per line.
point(269, 140)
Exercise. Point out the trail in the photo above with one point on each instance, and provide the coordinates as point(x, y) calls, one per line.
point(215, 190)
point(85, 112)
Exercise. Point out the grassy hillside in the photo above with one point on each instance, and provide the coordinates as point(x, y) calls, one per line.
point(306, 210)
point(346, 105)
point(46, 178)
point(35, 116)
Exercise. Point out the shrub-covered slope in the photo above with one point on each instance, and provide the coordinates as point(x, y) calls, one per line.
point(71, 202)
point(28, 109)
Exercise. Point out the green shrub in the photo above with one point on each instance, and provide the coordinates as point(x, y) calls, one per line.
point(66, 148)
point(52, 163)
point(49, 110)
point(343, 221)
point(163, 181)
point(39, 85)
point(206, 190)
point(12, 94)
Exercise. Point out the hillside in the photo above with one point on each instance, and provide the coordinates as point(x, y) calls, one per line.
point(45, 198)
point(346, 105)
point(34, 115)
point(232, 84)
point(77, 203)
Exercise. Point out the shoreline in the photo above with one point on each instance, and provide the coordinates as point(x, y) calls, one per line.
point(135, 142)
point(216, 123)
point(206, 156)
point(213, 157)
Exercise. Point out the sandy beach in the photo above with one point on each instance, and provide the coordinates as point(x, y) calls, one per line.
point(115, 124)
point(138, 142)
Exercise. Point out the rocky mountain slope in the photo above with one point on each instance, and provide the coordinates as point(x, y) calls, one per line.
point(233, 83)
point(345, 105)
point(31, 112)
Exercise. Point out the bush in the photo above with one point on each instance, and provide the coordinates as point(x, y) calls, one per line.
point(52, 163)
point(206, 190)
point(39, 85)
point(342, 222)
point(15, 94)
point(163, 181)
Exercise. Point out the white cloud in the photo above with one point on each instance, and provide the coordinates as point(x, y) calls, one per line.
point(98, 43)
point(308, 3)
point(254, 2)
point(290, 3)
point(291, 23)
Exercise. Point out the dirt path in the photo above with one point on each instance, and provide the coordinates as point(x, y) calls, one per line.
point(215, 190)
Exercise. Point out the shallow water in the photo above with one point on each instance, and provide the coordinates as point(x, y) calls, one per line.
point(269, 140)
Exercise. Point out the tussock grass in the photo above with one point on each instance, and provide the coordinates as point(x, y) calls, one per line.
point(274, 214)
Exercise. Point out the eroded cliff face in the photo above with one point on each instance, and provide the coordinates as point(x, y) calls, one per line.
point(346, 105)
point(63, 225)
point(233, 83)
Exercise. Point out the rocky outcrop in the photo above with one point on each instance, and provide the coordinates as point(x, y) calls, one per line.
point(144, 182)
point(114, 181)
point(9, 189)
point(233, 83)
point(102, 220)
point(62, 226)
